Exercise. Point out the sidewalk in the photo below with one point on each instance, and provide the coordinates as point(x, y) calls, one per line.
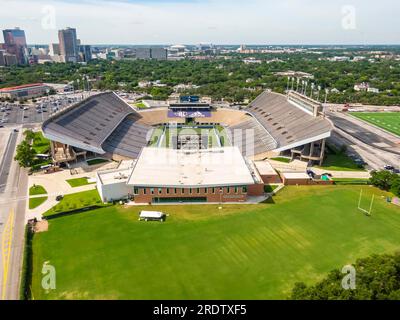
point(344, 174)
point(55, 184)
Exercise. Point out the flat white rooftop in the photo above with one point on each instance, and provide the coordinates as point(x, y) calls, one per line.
point(295, 175)
point(265, 168)
point(114, 176)
point(161, 167)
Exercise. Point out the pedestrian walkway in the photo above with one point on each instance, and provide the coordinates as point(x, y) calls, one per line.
point(55, 185)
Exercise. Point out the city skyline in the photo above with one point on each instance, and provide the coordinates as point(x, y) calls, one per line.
point(132, 22)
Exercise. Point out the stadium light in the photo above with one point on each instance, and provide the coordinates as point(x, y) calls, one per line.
point(326, 94)
point(287, 86)
point(312, 89)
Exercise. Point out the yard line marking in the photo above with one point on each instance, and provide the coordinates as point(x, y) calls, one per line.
point(6, 250)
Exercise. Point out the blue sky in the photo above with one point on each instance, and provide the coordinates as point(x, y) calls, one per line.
point(215, 21)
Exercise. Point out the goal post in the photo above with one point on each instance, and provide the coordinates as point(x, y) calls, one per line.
point(369, 210)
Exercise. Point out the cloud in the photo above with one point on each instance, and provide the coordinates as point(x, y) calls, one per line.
point(217, 21)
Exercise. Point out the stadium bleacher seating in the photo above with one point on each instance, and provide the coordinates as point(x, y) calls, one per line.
point(129, 138)
point(251, 137)
point(92, 121)
point(286, 123)
point(106, 124)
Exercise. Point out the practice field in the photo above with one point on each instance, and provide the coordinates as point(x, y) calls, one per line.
point(389, 121)
point(200, 252)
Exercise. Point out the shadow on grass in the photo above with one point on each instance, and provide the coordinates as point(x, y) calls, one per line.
point(72, 212)
point(270, 200)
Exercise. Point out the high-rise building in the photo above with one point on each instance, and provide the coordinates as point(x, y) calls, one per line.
point(15, 44)
point(68, 45)
point(54, 49)
point(85, 52)
point(151, 53)
point(10, 59)
point(143, 53)
point(2, 62)
point(159, 54)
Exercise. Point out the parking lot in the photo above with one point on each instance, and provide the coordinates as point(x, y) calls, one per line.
point(37, 112)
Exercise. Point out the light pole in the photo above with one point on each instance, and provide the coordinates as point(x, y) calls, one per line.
point(326, 95)
point(312, 89)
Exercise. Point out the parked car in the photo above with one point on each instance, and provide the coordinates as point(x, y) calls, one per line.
point(388, 167)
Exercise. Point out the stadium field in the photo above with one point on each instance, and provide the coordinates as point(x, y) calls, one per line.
point(217, 136)
point(389, 121)
point(200, 252)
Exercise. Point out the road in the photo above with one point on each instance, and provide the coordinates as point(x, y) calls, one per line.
point(376, 146)
point(7, 160)
point(12, 220)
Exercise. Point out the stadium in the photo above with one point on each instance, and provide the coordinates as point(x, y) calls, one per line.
point(189, 151)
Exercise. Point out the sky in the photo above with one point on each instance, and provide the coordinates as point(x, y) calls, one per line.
point(207, 21)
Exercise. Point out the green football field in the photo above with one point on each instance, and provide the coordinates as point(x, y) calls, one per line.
point(216, 137)
point(200, 252)
point(389, 121)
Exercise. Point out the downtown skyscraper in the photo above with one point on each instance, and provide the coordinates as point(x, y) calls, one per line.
point(69, 47)
point(15, 44)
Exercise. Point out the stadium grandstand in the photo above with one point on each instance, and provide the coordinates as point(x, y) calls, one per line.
point(273, 124)
point(101, 125)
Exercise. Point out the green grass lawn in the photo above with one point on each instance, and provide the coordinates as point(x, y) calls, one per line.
point(36, 190)
point(75, 201)
point(93, 162)
point(36, 202)
point(281, 159)
point(351, 181)
point(213, 135)
point(141, 105)
point(79, 182)
point(200, 252)
point(339, 162)
point(389, 121)
point(269, 188)
point(40, 144)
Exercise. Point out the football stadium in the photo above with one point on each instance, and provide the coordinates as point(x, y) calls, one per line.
point(188, 151)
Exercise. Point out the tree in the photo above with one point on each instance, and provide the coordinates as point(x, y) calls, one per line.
point(25, 155)
point(383, 179)
point(29, 135)
point(395, 187)
point(377, 278)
